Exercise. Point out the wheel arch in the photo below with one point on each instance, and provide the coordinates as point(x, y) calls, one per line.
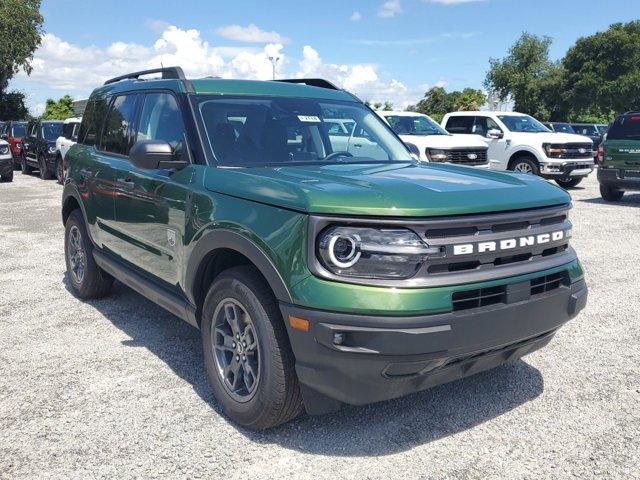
point(221, 249)
point(72, 200)
point(522, 152)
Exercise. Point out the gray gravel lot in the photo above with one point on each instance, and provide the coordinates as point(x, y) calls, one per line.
point(116, 387)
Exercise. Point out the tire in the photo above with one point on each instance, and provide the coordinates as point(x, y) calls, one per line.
point(525, 165)
point(7, 177)
point(271, 395)
point(24, 167)
point(45, 174)
point(610, 193)
point(60, 170)
point(569, 182)
point(93, 282)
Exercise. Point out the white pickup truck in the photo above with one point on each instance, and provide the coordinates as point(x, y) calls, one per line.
point(520, 143)
point(433, 142)
point(64, 142)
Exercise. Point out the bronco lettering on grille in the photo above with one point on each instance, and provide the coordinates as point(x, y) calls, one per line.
point(509, 243)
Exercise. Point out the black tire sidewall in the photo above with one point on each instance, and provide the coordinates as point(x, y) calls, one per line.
point(609, 193)
point(246, 413)
point(44, 170)
point(571, 183)
point(59, 170)
point(535, 170)
point(23, 165)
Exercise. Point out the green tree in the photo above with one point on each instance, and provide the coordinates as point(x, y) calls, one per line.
point(12, 106)
point(59, 110)
point(20, 35)
point(526, 75)
point(437, 101)
point(602, 73)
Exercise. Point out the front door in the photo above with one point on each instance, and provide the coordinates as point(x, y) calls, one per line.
point(497, 147)
point(151, 204)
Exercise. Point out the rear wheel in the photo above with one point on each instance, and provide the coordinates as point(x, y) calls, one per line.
point(246, 351)
point(568, 182)
point(45, 174)
point(610, 193)
point(24, 167)
point(525, 165)
point(87, 279)
point(59, 170)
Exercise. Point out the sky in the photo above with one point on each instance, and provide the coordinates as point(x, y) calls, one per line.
point(381, 50)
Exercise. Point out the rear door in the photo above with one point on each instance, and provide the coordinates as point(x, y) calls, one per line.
point(30, 143)
point(151, 204)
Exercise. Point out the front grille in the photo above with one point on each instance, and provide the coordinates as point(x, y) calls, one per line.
point(572, 150)
point(461, 156)
point(483, 297)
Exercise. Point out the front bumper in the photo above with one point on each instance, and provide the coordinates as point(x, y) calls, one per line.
point(619, 178)
point(568, 168)
point(384, 357)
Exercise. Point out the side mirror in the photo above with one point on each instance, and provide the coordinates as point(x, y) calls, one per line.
point(4, 136)
point(154, 154)
point(414, 150)
point(495, 134)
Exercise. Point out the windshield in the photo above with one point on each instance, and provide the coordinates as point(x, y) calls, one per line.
point(625, 128)
point(19, 130)
point(258, 131)
point(51, 131)
point(563, 127)
point(602, 128)
point(414, 125)
point(588, 130)
point(522, 123)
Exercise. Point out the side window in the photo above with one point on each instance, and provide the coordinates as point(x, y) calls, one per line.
point(161, 120)
point(482, 125)
point(67, 130)
point(92, 121)
point(74, 132)
point(116, 137)
point(459, 124)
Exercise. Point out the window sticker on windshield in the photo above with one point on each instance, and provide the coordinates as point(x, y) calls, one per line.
point(309, 118)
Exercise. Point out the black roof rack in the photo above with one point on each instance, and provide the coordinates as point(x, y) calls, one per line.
point(312, 82)
point(168, 73)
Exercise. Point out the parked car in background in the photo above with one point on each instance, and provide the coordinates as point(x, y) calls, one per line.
point(39, 147)
point(561, 127)
point(590, 130)
point(521, 143)
point(12, 132)
point(317, 276)
point(619, 157)
point(64, 142)
point(6, 162)
point(434, 143)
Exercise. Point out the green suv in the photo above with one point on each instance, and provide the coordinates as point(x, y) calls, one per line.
point(322, 267)
point(619, 157)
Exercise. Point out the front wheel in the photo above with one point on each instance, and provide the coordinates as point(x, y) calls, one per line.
point(568, 182)
point(87, 279)
point(525, 165)
point(610, 193)
point(8, 177)
point(24, 167)
point(60, 170)
point(246, 351)
point(45, 174)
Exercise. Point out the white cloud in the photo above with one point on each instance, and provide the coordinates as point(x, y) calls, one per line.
point(355, 17)
point(390, 9)
point(250, 34)
point(63, 67)
point(452, 2)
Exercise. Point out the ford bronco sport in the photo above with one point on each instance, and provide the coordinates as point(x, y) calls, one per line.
point(317, 275)
point(619, 158)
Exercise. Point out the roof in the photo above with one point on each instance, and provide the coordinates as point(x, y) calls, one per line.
point(218, 86)
point(400, 113)
point(485, 112)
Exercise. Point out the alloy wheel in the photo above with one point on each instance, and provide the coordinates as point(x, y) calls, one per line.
point(235, 349)
point(523, 168)
point(76, 253)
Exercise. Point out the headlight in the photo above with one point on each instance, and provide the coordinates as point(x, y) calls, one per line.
point(4, 149)
point(372, 252)
point(552, 150)
point(52, 149)
point(436, 155)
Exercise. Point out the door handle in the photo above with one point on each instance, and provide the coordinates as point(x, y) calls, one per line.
point(357, 145)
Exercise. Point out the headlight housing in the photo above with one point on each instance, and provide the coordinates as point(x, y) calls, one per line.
point(364, 252)
point(52, 149)
point(4, 149)
point(436, 155)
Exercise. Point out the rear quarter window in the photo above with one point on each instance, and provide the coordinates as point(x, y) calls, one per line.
point(459, 124)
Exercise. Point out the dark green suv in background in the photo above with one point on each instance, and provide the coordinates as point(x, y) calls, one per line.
point(619, 158)
point(322, 268)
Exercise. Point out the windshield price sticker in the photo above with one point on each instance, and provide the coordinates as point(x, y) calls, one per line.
point(309, 118)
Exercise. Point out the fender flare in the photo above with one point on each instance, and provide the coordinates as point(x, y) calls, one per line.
point(69, 191)
point(515, 152)
point(232, 240)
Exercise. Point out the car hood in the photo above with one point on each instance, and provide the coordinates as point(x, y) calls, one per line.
point(443, 141)
point(557, 137)
point(400, 189)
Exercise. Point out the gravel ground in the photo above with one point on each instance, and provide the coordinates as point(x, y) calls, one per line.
point(116, 388)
